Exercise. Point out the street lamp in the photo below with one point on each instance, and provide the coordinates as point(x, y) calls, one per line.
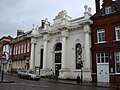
point(81, 66)
point(79, 59)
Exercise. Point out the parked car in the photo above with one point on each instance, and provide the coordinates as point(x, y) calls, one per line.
point(28, 74)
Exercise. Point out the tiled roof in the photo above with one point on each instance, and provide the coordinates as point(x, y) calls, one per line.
point(117, 9)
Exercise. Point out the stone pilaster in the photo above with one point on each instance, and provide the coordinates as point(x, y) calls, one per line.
point(87, 57)
point(45, 38)
point(64, 71)
point(32, 56)
point(87, 52)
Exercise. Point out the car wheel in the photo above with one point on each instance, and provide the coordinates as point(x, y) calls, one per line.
point(29, 77)
point(19, 76)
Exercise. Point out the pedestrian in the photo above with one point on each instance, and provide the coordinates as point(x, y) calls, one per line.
point(78, 79)
point(53, 76)
point(51, 73)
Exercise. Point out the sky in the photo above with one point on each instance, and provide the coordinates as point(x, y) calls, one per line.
point(22, 14)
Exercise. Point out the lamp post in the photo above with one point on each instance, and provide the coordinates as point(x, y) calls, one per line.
point(81, 66)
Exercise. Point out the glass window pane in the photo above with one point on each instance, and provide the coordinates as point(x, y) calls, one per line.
point(57, 57)
point(98, 60)
point(117, 57)
point(108, 10)
point(78, 55)
point(118, 67)
point(102, 57)
point(58, 47)
point(101, 35)
point(117, 28)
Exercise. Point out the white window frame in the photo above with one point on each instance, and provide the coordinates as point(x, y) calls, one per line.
point(16, 50)
point(28, 47)
point(108, 10)
point(25, 48)
point(101, 39)
point(19, 49)
point(117, 29)
point(22, 48)
point(10, 50)
point(102, 55)
point(117, 54)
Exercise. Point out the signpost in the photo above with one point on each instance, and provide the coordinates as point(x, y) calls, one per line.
point(3, 59)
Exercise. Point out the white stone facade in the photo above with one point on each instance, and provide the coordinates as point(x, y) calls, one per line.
point(67, 32)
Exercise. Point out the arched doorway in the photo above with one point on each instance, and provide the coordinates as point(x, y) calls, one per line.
point(58, 55)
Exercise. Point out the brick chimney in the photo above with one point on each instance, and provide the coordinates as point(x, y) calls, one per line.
point(20, 32)
point(107, 1)
point(97, 2)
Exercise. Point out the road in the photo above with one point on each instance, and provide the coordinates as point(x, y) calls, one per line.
point(23, 84)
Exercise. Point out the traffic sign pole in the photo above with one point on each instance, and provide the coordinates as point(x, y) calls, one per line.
point(3, 59)
point(2, 75)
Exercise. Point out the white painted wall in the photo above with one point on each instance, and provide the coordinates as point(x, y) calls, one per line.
point(74, 36)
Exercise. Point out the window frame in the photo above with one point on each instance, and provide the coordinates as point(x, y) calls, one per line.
point(78, 57)
point(16, 50)
point(117, 28)
point(117, 53)
point(108, 10)
point(24, 47)
point(58, 53)
point(102, 56)
point(28, 47)
point(100, 38)
point(10, 50)
point(21, 48)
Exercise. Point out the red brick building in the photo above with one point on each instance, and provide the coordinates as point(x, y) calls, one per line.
point(20, 50)
point(4, 40)
point(106, 42)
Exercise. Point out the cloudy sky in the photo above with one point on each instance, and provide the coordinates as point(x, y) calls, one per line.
point(22, 14)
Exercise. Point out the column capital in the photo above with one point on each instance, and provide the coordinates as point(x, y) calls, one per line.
point(87, 28)
point(64, 33)
point(33, 41)
point(46, 37)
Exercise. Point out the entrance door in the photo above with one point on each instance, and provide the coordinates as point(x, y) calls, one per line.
point(103, 72)
point(58, 55)
point(57, 68)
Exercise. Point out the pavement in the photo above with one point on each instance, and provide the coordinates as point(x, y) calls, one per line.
point(73, 82)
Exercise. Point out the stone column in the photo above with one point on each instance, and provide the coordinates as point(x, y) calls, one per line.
point(64, 71)
point(45, 38)
point(32, 58)
point(63, 51)
point(64, 35)
point(45, 54)
point(87, 57)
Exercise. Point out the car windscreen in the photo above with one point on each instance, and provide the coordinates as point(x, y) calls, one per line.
point(32, 72)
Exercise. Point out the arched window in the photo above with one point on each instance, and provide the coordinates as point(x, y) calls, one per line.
point(58, 47)
point(78, 55)
point(58, 53)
